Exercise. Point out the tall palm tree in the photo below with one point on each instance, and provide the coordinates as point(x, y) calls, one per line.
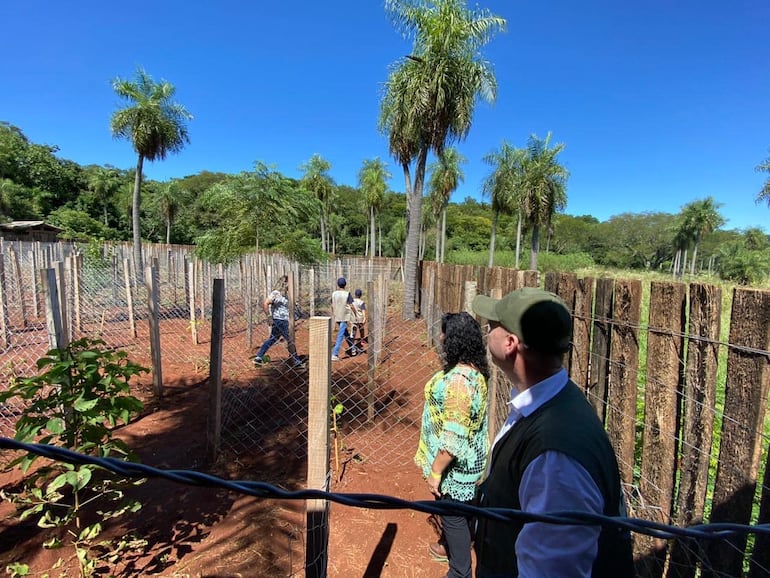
point(700, 218)
point(446, 175)
point(542, 188)
point(170, 198)
point(372, 178)
point(104, 182)
point(317, 181)
point(764, 193)
point(430, 97)
point(155, 124)
point(502, 186)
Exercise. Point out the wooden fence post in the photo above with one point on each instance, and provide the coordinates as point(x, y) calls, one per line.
point(699, 395)
point(317, 513)
point(153, 305)
point(746, 390)
point(129, 297)
point(624, 371)
point(599, 375)
point(665, 356)
point(56, 339)
point(215, 369)
point(61, 287)
point(5, 321)
point(192, 271)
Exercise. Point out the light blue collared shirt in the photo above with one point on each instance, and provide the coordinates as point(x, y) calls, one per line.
point(553, 482)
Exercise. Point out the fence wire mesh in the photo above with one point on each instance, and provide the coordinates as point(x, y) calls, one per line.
point(379, 393)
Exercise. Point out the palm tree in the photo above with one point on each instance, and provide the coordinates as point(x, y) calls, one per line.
point(502, 186)
point(430, 97)
point(170, 198)
point(764, 193)
point(542, 188)
point(104, 182)
point(155, 125)
point(317, 181)
point(700, 218)
point(446, 175)
point(372, 178)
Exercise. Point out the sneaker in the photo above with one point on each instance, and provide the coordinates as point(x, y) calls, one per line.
point(298, 363)
point(258, 361)
point(438, 552)
point(335, 358)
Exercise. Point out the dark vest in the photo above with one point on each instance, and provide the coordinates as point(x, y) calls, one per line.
point(568, 424)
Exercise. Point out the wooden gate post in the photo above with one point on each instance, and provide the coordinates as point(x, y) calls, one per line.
point(153, 304)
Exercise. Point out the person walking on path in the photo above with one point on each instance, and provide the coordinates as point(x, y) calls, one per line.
point(453, 440)
point(276, 305)
point(552, 453)
point(359, 325)
point(343, 311)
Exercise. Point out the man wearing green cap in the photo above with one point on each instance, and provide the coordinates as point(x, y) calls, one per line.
point(552, 454)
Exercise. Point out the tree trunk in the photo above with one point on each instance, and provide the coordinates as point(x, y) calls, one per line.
point(135, 221)
point(373, 238)
point(168, 231)
point(535, 247)
point(323, 233)
point(694, 257)
point(492, 240)
point(379, 226)
point(438, 242)
point(105, 212)
point(414, 221)
point(443, 234)
point(518, 240)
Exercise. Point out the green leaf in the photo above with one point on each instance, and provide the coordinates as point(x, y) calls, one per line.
point(53, 543)
point(338, 409)
point(17, 569)
point(79, 479)
point(55, 425)
point(90, 532)
point(58, 482)
point(83, 405)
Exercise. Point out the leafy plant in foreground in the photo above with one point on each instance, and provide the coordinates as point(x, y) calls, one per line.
point(80, 395)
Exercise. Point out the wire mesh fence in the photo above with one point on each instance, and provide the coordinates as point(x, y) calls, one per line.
point(684, 397)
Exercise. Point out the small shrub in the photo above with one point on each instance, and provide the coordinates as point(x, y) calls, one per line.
point(81, 393)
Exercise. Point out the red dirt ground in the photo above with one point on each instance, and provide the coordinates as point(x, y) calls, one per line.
point(211, 533)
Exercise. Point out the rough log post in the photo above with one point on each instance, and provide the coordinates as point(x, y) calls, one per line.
point(371, 384)
point(599, 372)
point(191, 281)
point(5, 321)
point(624, 371)
point(699, 395)
point(215, 370)
point(52, 309)
point(746, 389)
point(153, 304)
point(581, 336)
point(665, 357)
point(318, 476)
point(129, 297)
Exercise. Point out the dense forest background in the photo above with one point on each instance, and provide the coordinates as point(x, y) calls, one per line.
point(225, 215)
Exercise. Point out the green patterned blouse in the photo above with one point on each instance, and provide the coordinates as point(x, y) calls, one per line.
point(454, 419)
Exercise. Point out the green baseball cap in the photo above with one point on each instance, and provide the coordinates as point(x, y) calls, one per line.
point(539, 318)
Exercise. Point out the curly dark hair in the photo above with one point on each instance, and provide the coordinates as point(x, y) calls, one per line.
point(463, 342)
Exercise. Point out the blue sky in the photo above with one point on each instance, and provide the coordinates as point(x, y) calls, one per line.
point(659, 102)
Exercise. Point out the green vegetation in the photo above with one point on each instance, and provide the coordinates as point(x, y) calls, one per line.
point(227, 215)
point(80, 395)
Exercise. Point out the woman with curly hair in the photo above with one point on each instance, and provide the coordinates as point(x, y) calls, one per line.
point(453, 440)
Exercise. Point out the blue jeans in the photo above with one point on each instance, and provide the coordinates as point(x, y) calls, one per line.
point(280, 328)
point(342, 333)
